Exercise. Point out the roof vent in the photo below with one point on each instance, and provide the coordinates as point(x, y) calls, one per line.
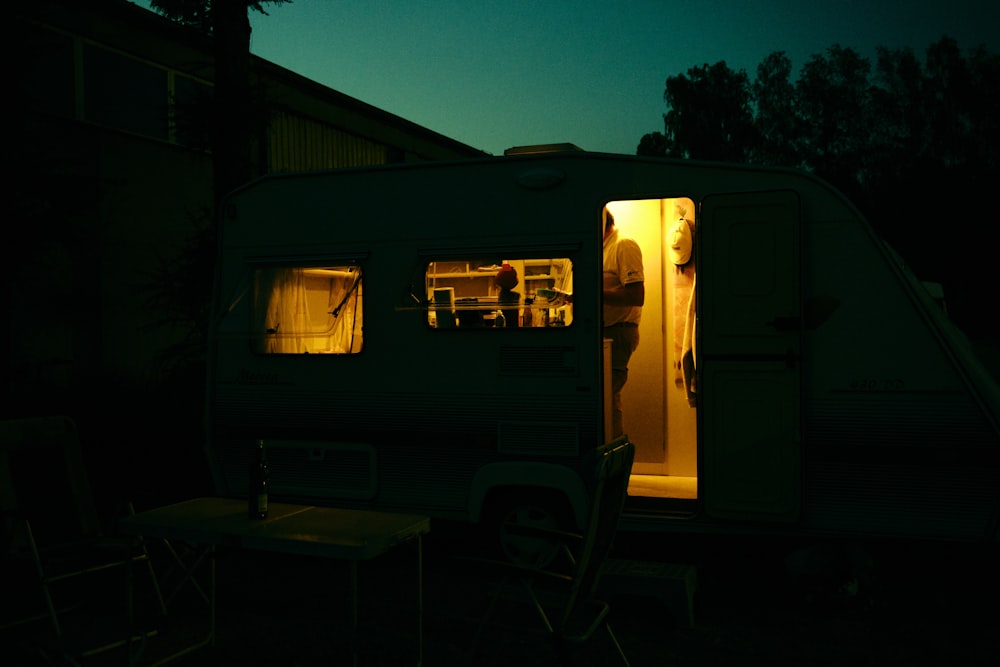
point(542, 148)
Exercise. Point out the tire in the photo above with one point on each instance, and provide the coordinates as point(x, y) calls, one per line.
point(526, 506)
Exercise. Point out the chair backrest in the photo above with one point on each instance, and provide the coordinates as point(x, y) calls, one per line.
point(44, 479)
point(612, 469)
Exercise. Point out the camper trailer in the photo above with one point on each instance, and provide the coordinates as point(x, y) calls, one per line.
point(792, 377)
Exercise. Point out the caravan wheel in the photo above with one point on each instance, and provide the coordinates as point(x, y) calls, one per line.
point(527, 507)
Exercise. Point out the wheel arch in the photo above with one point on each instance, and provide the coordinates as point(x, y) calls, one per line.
point(495, 477)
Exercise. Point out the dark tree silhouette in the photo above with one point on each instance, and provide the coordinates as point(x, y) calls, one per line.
point(709, 116)
point(915, 145)
point(832, 104)
point(179, 287)
point(900, 128)
point(654, 143)
point(779, 128)
point(228, 23)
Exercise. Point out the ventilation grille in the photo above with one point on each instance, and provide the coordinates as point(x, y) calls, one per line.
point(904, 500)
point(557, 361)
point(538, 438)
point(376, 416)
point(922, 465)
point(428, 481)
point(918, 420)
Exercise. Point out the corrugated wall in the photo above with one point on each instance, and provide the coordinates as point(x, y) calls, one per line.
point(296, 143)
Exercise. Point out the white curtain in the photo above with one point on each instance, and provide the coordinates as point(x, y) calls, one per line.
point(300, 311)
point(344, 313)
point(282, 310)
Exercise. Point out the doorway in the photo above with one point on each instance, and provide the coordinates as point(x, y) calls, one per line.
point(660, 413)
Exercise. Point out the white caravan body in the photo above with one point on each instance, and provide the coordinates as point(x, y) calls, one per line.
point(792, 377)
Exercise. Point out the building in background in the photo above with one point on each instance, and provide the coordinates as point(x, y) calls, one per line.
point(113, 173)
point(110, 172)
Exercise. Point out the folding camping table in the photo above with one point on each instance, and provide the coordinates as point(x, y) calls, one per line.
point(305, 530)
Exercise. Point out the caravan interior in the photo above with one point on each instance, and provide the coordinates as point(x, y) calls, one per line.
point(659, 400)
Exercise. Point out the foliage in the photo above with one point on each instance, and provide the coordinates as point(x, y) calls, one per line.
point(198, 13)
point(232, 125)
point(916, 146)
point(842, 118)
point(722, 134)
point(178, 290)
point(776, 118)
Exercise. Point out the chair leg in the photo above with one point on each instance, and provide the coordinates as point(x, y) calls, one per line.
point(481, 630)
point(53, 613)
point(618, 646)
point(144, 556)
point(154, 581)
point(539, 609)
point(42, 578)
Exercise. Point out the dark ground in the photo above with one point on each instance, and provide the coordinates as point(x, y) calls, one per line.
point(905, 604)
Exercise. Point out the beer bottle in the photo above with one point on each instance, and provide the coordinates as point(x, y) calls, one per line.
point(259, 482)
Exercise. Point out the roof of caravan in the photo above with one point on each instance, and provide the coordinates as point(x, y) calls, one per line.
point(616, 175)
point(574, 159)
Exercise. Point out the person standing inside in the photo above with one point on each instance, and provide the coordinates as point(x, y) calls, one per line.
point(509, 300)
point(624, 295)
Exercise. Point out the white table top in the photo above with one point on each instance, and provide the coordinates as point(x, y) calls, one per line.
point(307, 530)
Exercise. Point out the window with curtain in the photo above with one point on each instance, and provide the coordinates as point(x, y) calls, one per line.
point(308, 310)
point(499, 293)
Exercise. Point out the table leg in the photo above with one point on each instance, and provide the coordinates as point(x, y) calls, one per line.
point(355, 616)
point(188, 570)
point(189, 574)
point(355, 639)
point(420, 601)
point(211, 604)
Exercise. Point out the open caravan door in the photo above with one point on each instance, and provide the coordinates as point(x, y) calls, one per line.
point(750, 356)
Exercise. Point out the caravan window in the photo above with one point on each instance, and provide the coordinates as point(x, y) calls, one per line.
point(496, 293)
point(308, 310)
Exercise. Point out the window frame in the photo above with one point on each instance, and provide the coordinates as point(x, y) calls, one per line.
point(265, 340)
point(478, 266)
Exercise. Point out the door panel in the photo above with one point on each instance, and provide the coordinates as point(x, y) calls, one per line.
point(749, 327)
point(750, 265)
point(751, 446)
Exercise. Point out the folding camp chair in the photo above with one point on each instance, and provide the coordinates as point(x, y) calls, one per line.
point(51, 528)
point(564, 598)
